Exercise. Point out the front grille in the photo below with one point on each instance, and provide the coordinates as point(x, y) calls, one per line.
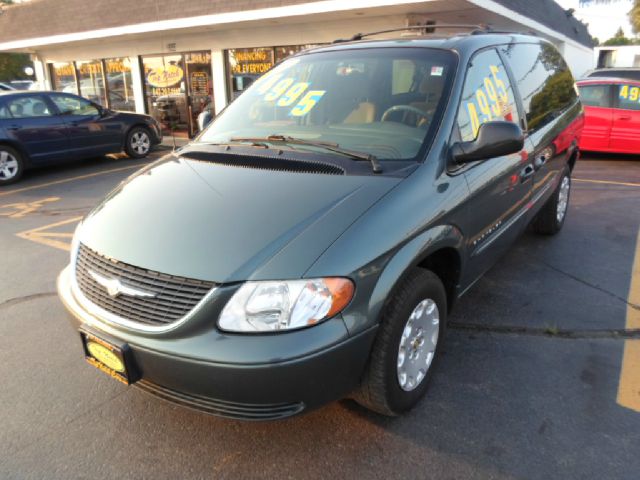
point(173, 298)
point(222, 408)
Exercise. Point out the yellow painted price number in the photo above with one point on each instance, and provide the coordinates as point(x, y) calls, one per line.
point(278, 89)
point(264, 83)
point(292, 94)
point(307, 103)
point(630, 93)
point(285, 93)
point(490, 99)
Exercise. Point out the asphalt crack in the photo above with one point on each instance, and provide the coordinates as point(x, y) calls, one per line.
point(548, 332)
point(588, 284)
point(26, 298)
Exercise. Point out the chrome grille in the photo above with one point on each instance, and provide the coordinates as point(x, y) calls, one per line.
point(173, 297)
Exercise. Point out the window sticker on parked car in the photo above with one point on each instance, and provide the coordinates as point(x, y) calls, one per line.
point(307, 103)
point(286, 91)
point(278, 89)
point(292, 94)
point(629, 92)
point(491, 101)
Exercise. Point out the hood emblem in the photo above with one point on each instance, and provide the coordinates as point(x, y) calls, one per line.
point(115, 288)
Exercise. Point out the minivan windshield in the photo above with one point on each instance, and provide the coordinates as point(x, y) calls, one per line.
point(385, 102)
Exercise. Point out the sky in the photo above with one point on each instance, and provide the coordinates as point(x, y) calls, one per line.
point(603, 20)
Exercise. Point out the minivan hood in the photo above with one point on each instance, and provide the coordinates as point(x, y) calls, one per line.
point(224, 223)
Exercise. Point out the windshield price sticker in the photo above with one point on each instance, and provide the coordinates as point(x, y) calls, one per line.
point(292, 94)
point(278, 89)
point(630, 93)
point(307, 103)
point(286, 91)
point(491, 100)
point(264, 83)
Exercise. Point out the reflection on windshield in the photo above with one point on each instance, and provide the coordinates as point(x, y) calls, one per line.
point(383, 102)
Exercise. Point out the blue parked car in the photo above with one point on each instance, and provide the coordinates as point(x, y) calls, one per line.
point(44, 128)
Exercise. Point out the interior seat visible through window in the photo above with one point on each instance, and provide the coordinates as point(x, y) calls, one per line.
point(39, 109)
point(16, 110)
point(431, 88)
point(350, 100)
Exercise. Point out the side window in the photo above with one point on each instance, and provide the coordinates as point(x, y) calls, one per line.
point(4, 112)
point(487, 95)
point(69, 105)
point(628, 96)
point(28, 107)
point(595, 95)
point(544, 80)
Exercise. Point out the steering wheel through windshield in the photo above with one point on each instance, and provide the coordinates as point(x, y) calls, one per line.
point(406, 109)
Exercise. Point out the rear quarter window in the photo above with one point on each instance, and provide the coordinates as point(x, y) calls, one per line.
point(596, 95)
point(545, 82)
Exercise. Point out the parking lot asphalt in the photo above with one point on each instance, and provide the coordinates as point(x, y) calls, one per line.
point(540, 376)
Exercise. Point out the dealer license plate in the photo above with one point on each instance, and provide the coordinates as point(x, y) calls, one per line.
point(110, 357)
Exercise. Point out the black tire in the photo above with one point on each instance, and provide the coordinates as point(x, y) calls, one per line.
point(136, 148)
point(380, 389)
point(547, 222)
point(11, 165)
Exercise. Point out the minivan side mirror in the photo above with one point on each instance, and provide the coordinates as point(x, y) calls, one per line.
point(494, 139)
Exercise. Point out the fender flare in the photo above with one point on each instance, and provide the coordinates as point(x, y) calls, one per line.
point(408, 256)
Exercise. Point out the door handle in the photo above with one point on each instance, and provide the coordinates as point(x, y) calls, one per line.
point(625, 117)
point(539, 162)
point(526, 172)
point(14, 127)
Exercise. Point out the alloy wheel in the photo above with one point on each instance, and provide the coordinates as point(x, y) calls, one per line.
point(563, 198)
point(8, 165)
point(140, 143)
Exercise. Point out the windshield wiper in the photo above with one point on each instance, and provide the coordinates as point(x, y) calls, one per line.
point(239, 143)
point(332, 147)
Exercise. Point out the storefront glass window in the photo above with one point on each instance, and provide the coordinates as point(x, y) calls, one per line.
point(166, 90)
point(245, 65)
point(177, 88)
point(120, 83)
point(91, 81)
point(63, 76)
point(199, 85)
point(283, 52)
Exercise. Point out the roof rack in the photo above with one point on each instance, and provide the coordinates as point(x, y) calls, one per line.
point(475, 29)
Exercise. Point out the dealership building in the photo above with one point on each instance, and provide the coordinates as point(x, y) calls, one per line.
point(173, 58)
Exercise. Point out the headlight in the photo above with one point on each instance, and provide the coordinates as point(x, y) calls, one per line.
point(285, 305)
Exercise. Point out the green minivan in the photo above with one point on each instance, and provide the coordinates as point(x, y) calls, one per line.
point(311, 242)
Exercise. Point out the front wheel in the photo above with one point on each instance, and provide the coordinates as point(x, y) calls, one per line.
point(552, 216)
point(138, 142)
point(407, 345)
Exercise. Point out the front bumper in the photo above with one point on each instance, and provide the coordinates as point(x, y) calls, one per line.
point(253, 377)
